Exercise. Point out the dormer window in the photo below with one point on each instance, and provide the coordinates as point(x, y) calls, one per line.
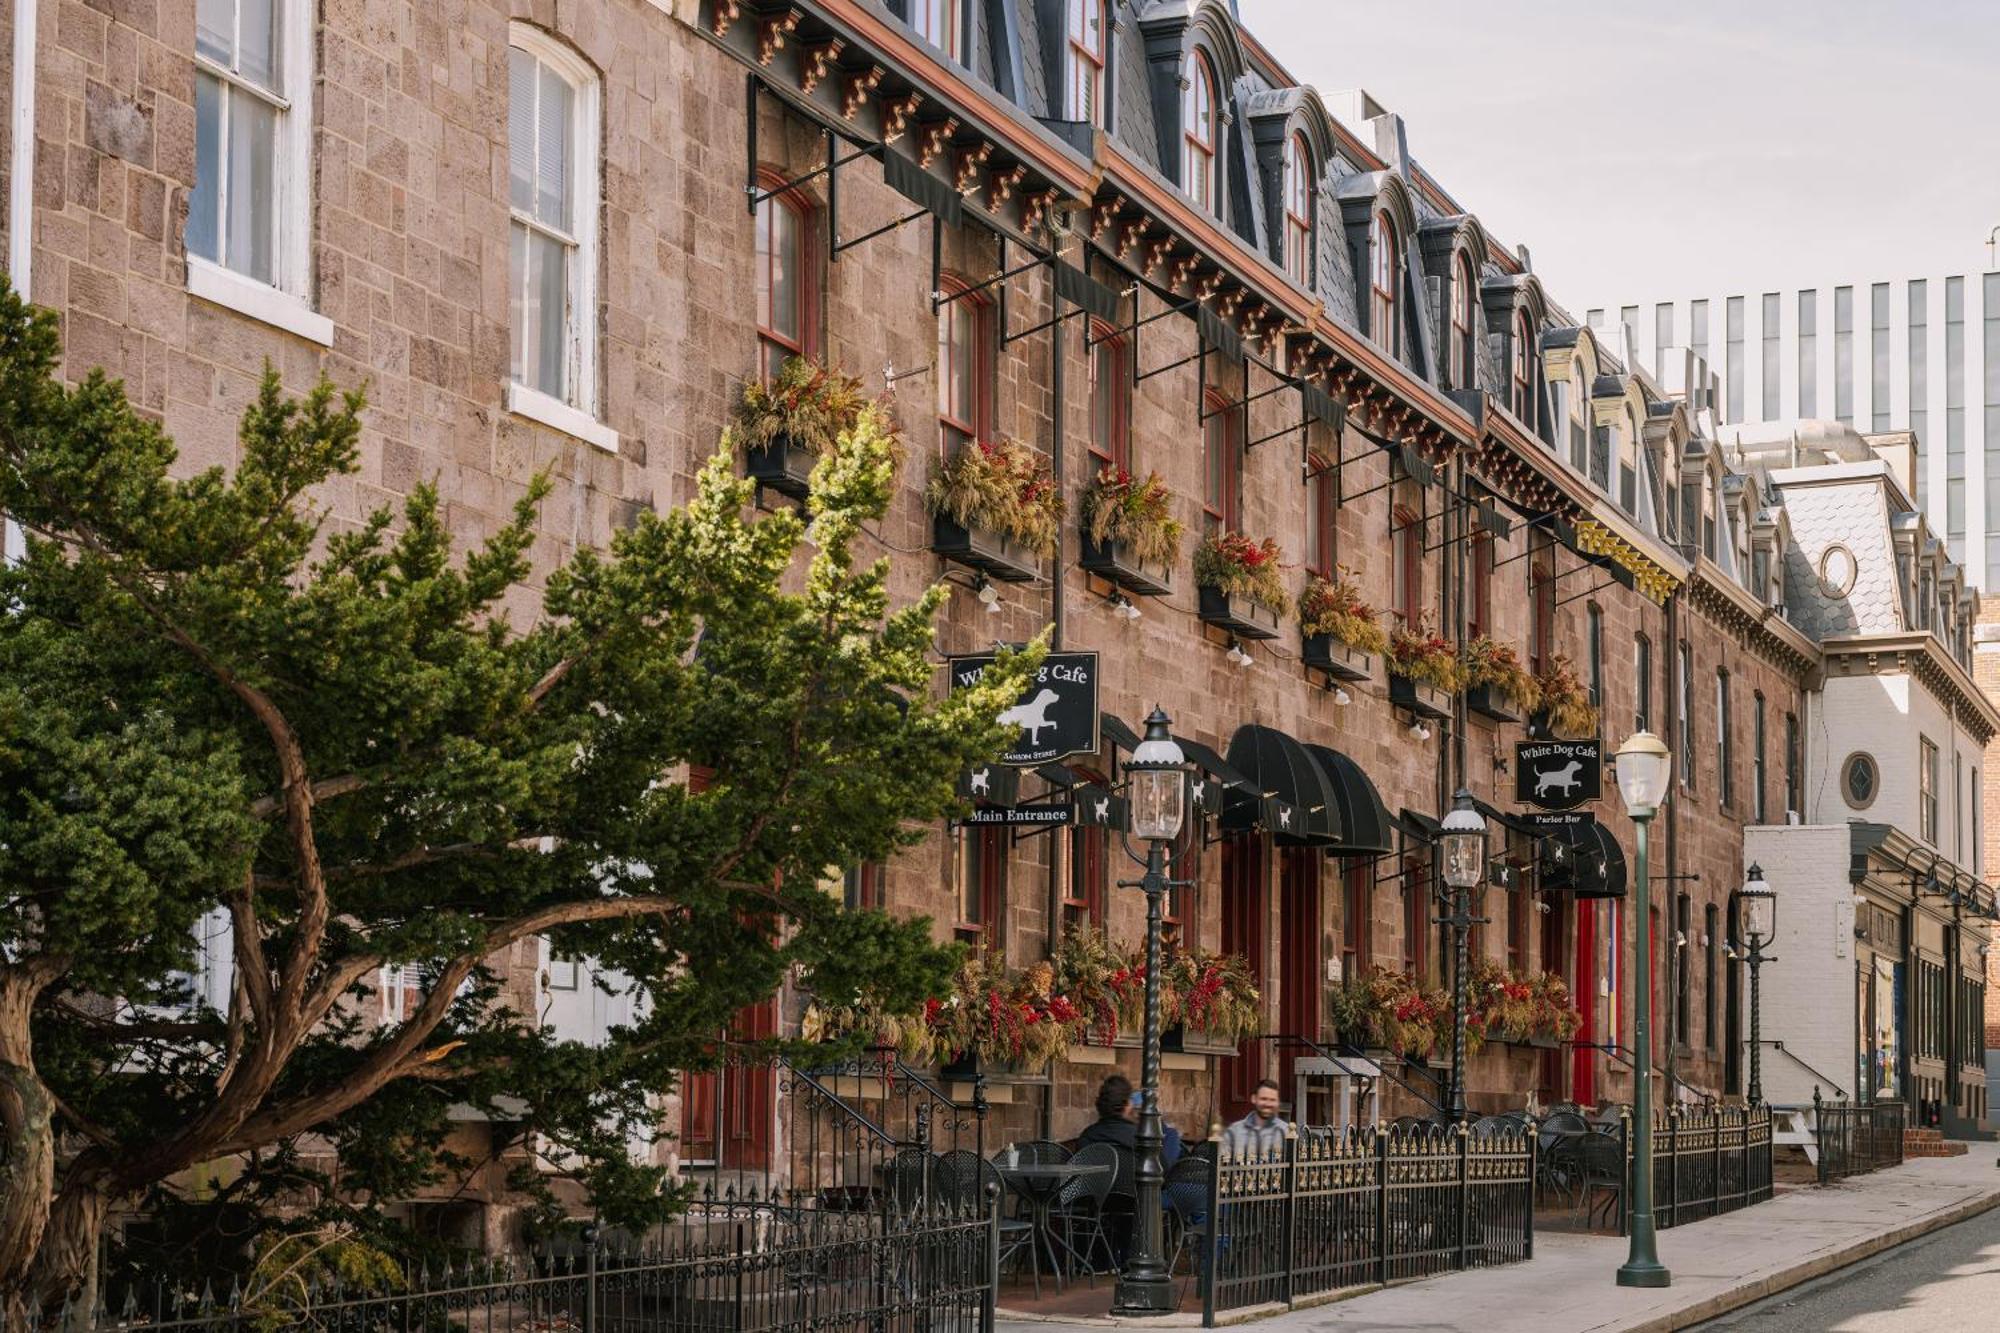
point(1522, 398)
point(1579, 419)
point(1298, 211)
point(1460, 348)
point(1086, 62)
point(1383, 266)
point(1198, 130)
point(937, 22)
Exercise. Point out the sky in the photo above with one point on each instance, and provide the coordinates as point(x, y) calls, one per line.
point(1655, 151)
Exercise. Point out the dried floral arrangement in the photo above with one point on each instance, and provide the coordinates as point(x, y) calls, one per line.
point(1002, 486)
point(1240, 567)
point(1425, 656)
point(1135, 512)
point(1495, 664)
point(807, 403)
point(1335, 607)
point(1565, 701)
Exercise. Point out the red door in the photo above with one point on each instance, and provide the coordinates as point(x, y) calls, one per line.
point(1554, 1083)
point(735, 1103)
point(1583, 1069)
point(1299, 965)
point(1245, 910)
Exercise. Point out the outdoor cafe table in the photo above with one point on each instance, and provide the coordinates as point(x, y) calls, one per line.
point(1040, 1187)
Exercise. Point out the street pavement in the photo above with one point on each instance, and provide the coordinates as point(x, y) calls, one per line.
point(1719, 1266)
point(1948, 1280)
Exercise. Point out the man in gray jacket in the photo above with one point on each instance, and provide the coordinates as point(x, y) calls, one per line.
point(1260, 1133)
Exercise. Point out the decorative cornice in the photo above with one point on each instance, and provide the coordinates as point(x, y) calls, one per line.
point(1657, 581)
point(1918, 654)
point(1718, 599)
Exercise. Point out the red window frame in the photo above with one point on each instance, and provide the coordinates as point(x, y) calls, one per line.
point(1479, 597)
point(938, 22)
point(1523, 373)
point(1198, 117)
point(1416, 919)
point(988, 854)
point(1221, 443)
point(1383, 265)
point(1089, 867)
point(1409, 555)
point(1541, 610)
point(973, 356)
point(1110, 398)
point(1461, 323)
point(775, 345)
point(1322, 521)
point(1357, 913)
point(1086, 62)
point(1298, 210)
point(864, 885)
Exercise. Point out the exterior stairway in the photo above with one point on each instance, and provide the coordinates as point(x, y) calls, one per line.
point(1929, 1143)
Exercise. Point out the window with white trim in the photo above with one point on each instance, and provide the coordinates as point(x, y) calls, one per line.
point(1382, 270)
point(937, 22)
point(1085, 87)
point(250, 210)
point(552, 139)
point(1462, 323)
point(1198, 118)
point(1298, 211)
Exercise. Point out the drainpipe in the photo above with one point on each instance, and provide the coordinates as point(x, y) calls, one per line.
point(1676, 958)
point(1058, 849)
point(21, 160)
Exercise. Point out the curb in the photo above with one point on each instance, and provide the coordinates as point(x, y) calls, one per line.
point(1819, 1266)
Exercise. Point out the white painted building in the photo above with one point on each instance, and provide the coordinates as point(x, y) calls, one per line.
point(1920, 354)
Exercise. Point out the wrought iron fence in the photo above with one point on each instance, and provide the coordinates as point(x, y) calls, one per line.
point(1709, 1160)
point(741, 1266)
point(1856, 1137)
point(1367, 1206)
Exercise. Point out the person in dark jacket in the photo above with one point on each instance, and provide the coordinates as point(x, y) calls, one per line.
point(1117, 1124)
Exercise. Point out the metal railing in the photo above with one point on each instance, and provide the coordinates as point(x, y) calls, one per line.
point(1368, 1206)
point(1709, 1160)
point(1856, 1137)
point(748, 1266)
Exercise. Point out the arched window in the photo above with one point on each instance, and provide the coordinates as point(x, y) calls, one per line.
point(1523, 397)
point(1322, 501)
point(1462, 323)
point(937, 22)
point(1408, 578)
point(1198, 131)
point(1579, 419)
point(965, 353)
point(1110, 400)
point(1085, 96)
point(1383, 265)
point(786, 281)
point(1298, 211)
point(552, 159)
point(1222, 455)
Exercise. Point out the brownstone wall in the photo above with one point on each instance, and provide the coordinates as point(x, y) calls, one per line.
point(1986, 671)
point(410, 248)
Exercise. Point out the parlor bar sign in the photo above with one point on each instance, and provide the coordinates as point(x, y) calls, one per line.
point(1057, 712)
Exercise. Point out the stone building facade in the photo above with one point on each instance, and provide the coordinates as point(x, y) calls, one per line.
point(560, 238)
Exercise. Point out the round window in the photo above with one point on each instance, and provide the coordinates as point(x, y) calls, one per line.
point(1836, 571)
point(1859, 780)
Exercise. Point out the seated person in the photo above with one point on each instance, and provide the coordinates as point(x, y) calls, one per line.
point(1117, 1124)
point(1261, 1133)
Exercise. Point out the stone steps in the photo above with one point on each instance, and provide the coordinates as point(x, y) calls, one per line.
point(1929, 1143)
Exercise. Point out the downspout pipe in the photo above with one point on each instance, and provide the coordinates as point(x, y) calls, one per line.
point(1058, 348)
point(21, 157)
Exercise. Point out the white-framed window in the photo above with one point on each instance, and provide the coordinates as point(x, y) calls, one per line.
point(552, 150)
point(1298, 211)
point(1523, 397)
point(1198, 117)
point(1085, 86)
point(402, 992)
point(1462, 323)
point(938, 22)
point(249, 226)
point(1384, 265)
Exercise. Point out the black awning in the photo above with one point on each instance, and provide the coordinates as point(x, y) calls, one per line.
point(1415, 466)
point(921, 188)
point(1364, 821)
point(1584, 861)
point(1322, 407)
point(1216, 333)
point(1420, 825)
point(1058, 775)
point(1214, 776)
point(1085, 292)
point(1492, 521)
point(1292, 797)
point(1506, 820)
point(1121, 735)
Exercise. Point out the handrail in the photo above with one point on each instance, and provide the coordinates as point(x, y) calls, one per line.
point(1780, 1047)
point(1317, 1049)
point(1626, 1056)
point(832, 1098)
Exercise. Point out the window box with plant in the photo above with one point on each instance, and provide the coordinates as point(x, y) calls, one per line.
point(1521, 1008)
point(996, 1023)
point(1208, 1002)
point(1497, 684)
point(1130, 534)
point(995, 507)
point(1105, 984)
point(786, 426)
point(1564, 710)
point(1241, 587)
point(1424, 671)
point(1340, 633)
point(1389, 1013)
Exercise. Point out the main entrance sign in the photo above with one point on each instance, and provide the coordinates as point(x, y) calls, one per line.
point(1057, 712)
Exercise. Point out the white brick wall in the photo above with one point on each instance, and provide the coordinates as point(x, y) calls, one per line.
point(1886, 715)
point(1808, 992)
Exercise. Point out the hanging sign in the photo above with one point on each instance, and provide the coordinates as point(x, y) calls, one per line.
point(1057, 712)
point(1062, 812)
point(1557, 775)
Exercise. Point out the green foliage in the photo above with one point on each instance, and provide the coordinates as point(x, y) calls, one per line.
point(807, 402)
point(351, 748)
point(1138, 512)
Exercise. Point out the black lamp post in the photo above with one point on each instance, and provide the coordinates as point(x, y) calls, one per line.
point(1158, 775)
point(1644, 767)
point(1760, 920)
point(1464, 839)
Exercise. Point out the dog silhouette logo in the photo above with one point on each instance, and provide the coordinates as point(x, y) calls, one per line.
point(1563, 778)
point(1284, 817)
point(1103, 810)
point(1198, 789)
point(1032, 716)
point(982, 782)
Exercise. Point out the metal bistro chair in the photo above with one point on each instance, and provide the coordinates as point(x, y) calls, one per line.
point(1557, 1166)
point(1185, 1200)
point(913, 1178)
point(1600, 1160)
point(967, 1184)
point(1079, 1207)
point(1038, 1152)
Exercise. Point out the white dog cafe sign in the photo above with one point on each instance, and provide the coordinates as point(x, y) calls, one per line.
point(1056, 714)
point(1557, 775)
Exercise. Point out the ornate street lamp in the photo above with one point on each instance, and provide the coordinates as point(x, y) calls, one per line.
point(1158, 775)
point(1760, 923)
point(1464, 841)
point(1644, 767)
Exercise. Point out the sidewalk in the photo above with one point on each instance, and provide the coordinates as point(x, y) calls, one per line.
point(1718, 1265)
